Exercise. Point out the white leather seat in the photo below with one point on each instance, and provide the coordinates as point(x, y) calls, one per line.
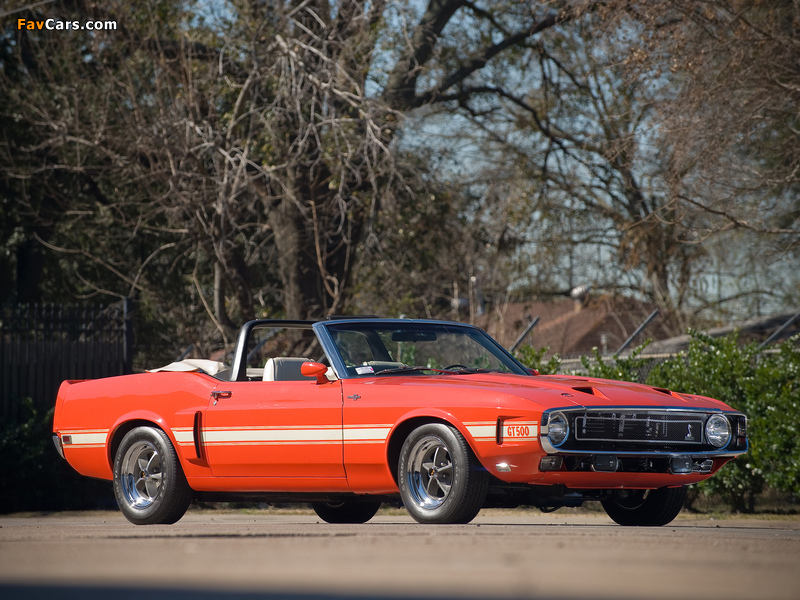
point(285, 368)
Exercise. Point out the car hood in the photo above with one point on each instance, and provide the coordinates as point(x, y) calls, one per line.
point(558, 391)
point(593, 392)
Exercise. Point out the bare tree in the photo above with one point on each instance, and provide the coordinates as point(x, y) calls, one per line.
point(728, 130)
point(581, 130)
point(572, 137)
point(731, 117)
point(243, 162)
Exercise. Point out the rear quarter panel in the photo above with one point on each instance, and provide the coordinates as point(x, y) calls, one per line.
point(97, 413)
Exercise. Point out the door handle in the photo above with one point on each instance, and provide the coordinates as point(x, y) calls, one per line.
point(216, 395)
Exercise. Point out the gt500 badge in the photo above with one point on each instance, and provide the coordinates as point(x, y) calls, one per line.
point(521, 430)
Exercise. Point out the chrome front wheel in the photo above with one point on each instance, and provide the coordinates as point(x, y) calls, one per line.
point(429, 472)
point(440, 479)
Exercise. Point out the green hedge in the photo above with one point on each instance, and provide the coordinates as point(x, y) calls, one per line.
point(763, 385)
point(35, 478)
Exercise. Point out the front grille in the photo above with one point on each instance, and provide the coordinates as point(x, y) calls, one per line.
point(640, 427)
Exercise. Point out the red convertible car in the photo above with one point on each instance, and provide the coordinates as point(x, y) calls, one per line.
point(368, 410)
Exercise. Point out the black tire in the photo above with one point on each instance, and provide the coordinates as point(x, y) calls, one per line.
point(347, 511)
point(440, 479)
point(149, 483)
point(645, 508)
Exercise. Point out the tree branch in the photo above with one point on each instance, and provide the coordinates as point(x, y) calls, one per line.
point(478, 62)
point(737, 222)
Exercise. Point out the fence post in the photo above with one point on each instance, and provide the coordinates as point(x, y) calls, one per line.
point(639, 329)
point(524, 334)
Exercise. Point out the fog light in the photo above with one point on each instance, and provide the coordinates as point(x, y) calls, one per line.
point(551, 463)
point(605, 464)
point(718, 431)
point(705, 466)
point(680, 465)
point(503, 467)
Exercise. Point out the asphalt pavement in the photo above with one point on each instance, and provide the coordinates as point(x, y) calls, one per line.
point(271, 555)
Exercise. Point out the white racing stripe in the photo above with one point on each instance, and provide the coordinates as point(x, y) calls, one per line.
point(270, 436)
point(366, 434)
point(80, 439)
point(85, 438)
point(354, 434)
point(482, 430)
point(184, 435)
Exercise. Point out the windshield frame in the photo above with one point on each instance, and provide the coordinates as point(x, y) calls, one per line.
point(323, 330)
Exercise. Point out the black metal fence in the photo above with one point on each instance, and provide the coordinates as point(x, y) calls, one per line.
point(40, 346)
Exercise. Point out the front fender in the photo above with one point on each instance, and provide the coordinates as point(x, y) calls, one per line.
point(420, 415)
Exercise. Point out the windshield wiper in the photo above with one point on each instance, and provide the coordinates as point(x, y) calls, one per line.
point(412, 369)
point(435, 370)
point(470, 371)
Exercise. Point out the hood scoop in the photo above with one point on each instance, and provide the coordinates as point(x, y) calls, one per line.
point(591, 391)
point(598, 393)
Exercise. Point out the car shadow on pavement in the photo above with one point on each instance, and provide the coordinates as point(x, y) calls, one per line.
point(85, 592)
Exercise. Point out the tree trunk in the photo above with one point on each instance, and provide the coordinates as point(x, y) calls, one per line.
point(220, 312)
point(295, 264)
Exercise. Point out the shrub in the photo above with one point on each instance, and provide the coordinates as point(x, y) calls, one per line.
point(35, 477)
point(630, 368)
point(763, 385)
point(534, 359)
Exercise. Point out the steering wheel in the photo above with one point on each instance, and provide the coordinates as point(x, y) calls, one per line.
point(457, 367)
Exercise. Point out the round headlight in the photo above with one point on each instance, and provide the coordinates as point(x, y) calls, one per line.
point(557, 429)
point(718, 431)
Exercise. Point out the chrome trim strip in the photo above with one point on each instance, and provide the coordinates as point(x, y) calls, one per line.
point(639, 408)
point(550, 449)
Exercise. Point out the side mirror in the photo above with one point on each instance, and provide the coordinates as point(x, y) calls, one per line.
point(314, 369)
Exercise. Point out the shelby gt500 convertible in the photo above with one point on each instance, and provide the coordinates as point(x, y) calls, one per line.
point(367, 410)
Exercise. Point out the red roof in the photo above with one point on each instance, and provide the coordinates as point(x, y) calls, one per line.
point(572, 329)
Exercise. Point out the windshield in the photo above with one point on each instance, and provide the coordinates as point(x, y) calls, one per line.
point(369, 349)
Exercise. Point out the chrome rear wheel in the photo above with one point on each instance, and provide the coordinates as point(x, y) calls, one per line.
point(141, 476)
point(645, 508)
point(149, 484)
point(346, 511)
